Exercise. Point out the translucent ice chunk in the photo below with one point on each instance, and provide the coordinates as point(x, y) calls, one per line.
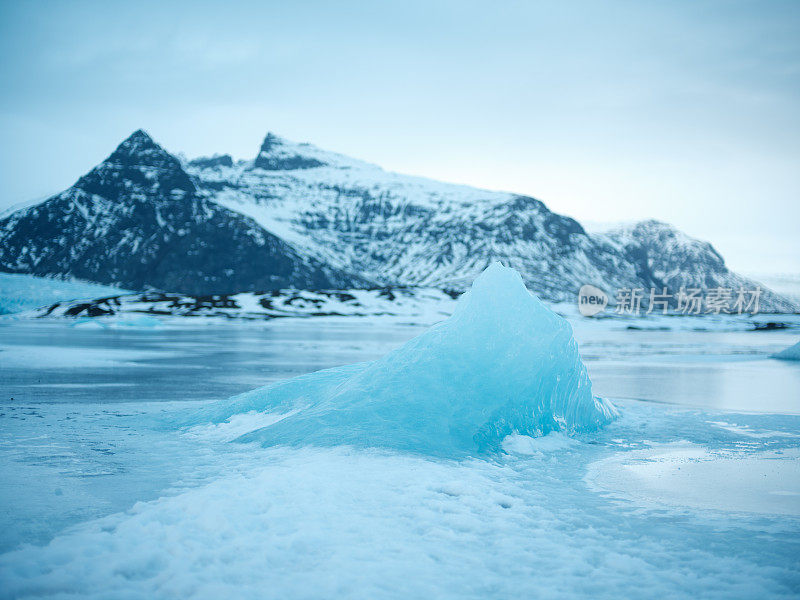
point(790, 353)
point(503, 363)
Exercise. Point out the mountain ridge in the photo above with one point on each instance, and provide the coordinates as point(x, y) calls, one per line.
point(137, 221)
point(299, 216)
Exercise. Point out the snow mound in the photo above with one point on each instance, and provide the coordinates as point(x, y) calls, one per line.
point(791, 353)
point(503, 363)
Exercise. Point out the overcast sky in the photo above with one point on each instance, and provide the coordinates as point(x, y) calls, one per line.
point(688, 112)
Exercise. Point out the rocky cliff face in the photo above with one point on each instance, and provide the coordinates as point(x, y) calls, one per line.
point(137, 221)
point(397, 229)
point(664, 256)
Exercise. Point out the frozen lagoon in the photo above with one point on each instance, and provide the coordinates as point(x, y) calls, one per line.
point(126, 503)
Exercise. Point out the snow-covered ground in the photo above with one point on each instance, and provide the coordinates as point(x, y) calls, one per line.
point(116, 483)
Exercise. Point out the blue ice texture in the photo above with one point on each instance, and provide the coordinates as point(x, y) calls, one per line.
point(503, 363)
point(790, 353)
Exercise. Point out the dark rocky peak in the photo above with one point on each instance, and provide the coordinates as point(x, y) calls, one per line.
point(530, 211)
point(137, 163)
point(276, 154)
point(270, 142)
point(666, 255)
point(526, 203)
point(212, 162)
point(663, 235)
point(139, 149)
point(652, 228)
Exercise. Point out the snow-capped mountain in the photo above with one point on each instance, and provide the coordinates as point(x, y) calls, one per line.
point(398, 229)
point(664, 256)
point(298, 216)
point(138, 221)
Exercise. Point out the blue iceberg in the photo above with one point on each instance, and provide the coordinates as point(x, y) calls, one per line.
point(790, 353)
point(503, 363)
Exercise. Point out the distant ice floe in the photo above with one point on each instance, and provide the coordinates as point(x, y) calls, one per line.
point(502, 364)
point(791, 353)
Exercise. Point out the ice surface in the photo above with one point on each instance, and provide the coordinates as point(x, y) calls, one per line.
point(791, 353)
point(183, 513)
point(20, 356)
point(503, 363)
point(345, 523)
point(690, 475)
